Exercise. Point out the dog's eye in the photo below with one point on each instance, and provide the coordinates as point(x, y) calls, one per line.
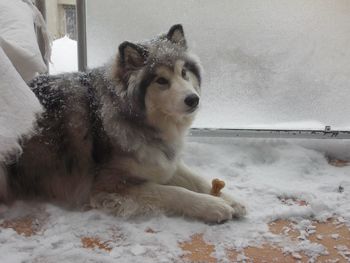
point(184, 74)
point(162, 81)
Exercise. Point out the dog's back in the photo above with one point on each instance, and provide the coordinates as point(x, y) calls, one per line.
point(57, 163)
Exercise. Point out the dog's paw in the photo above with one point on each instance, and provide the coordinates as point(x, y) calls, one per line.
point(115, 204)
point(212, 209)
point(240, 210)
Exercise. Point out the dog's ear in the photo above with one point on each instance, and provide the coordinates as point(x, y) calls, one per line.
point(176, 35)
point(132, 56)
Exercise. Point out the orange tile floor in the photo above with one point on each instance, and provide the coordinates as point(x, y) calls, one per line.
point(332, 234)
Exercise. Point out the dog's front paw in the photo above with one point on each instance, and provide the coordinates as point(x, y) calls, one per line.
point(240, 210)
point(115, 204)
point(211, 210)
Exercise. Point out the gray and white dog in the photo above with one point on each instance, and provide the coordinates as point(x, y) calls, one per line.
point(112, 137)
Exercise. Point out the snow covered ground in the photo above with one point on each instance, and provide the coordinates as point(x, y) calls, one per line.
point(261, 173)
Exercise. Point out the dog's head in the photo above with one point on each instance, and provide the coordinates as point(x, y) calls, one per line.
point(161, 76)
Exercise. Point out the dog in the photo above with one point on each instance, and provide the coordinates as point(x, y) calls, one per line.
point(111, 138)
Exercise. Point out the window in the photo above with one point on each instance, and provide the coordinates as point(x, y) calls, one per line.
point(274, 65)
point(61, 22)
point(70, 21)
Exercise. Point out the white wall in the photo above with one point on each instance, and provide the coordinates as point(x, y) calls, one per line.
point(271, 63)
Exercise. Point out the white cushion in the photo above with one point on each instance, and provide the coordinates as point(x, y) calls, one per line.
point(18, 107)
point(18, 39)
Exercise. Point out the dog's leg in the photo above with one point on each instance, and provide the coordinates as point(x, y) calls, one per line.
point(3, 183)
point(184, 177)
point(149, 198)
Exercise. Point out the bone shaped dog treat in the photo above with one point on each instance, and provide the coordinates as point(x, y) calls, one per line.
point(216, 187)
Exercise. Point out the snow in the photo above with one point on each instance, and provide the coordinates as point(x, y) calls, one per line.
point(257, 172)
point(64, 56)
point(274, 64)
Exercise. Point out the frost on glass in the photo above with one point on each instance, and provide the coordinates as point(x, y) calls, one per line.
point(268, 64)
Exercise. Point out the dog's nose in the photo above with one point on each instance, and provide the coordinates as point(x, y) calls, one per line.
point(192, 100)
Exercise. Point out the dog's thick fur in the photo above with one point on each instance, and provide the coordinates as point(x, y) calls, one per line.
point(112, 137)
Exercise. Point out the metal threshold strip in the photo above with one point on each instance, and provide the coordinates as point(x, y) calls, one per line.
point(267, 133)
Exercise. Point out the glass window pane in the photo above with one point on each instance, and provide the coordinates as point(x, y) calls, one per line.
point(268, 64)
point(61, 23)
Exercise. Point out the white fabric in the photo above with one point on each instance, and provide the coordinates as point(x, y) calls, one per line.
point(18, 38)
point(39, 21)
point(18, 107)
point(20, 61)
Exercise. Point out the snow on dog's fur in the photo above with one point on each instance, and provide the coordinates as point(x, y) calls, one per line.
point(112, 137)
